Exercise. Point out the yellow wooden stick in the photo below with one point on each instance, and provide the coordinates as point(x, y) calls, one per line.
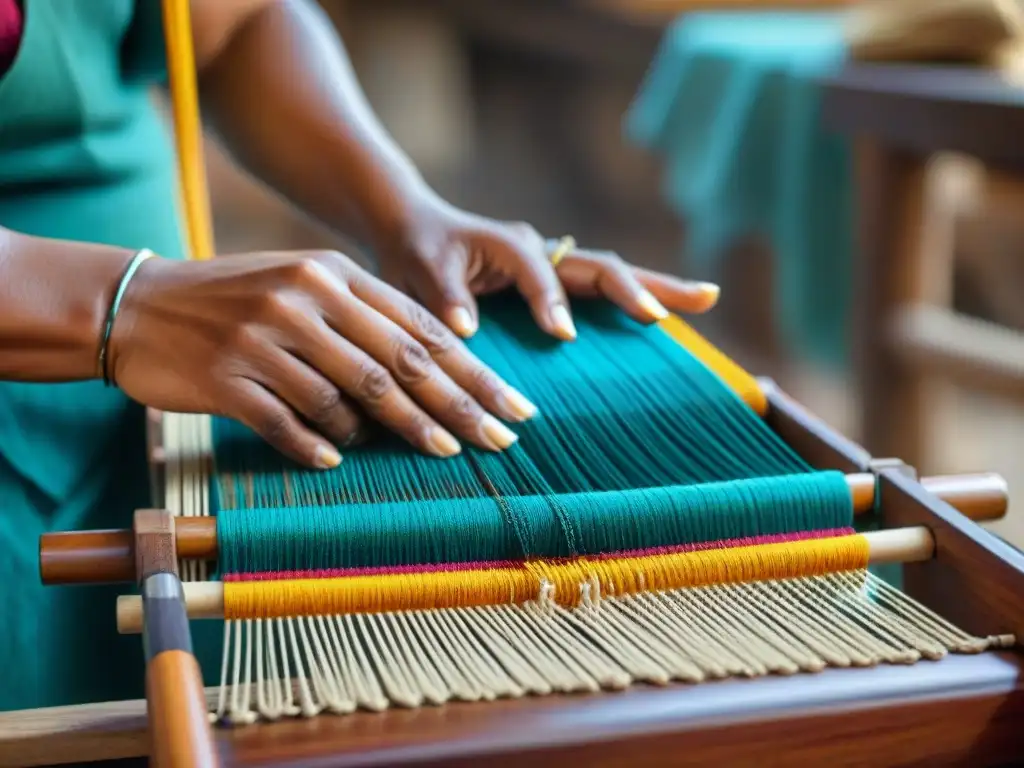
point(188, 131)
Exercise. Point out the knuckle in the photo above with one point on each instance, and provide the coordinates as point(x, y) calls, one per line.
point(430, 331)
point(273, 307)
point(463, 409)
point(306, 271)
point(412, 362)
point(244, 336)
point(325, 402)
point(373, 383)
point(484, 383)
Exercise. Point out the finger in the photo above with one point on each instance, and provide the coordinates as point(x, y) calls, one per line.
point(412, 370)
point(536, 280)
point(375, 390)
point(316, 399)
point(586, 273)
point(683, 296)
point(442, 286)
point(278, 425)
point(347, 365)
point(464, 368)
point(382, 368)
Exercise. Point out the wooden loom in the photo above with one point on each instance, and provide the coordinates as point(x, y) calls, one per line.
point(962, 709)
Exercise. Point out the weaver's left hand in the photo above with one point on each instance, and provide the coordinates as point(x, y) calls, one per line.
point(446, 256)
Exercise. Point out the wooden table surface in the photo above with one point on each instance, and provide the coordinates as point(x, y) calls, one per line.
point(927, 108)
point(963, 710)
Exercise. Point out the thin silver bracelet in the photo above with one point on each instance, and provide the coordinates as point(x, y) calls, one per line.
point(115, 305)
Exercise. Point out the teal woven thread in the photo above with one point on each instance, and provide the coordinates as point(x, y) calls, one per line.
point(413, 533)
point(623, 408)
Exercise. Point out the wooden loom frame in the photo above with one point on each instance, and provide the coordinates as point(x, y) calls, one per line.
point(963, 710)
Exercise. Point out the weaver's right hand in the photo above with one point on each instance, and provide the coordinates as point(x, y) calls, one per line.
point(301, 347)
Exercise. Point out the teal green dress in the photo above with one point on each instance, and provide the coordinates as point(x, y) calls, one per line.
point(84, 155)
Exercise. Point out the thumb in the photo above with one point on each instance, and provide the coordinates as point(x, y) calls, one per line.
point(442, 286)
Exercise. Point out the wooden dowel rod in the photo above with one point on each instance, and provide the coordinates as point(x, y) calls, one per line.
point(981, 497)
point(205, 599)
point(101, 557)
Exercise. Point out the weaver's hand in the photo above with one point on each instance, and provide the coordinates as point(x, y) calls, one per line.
point(445, 256)
point(299, 347)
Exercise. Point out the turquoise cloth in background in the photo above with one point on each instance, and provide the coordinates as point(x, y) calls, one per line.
point(731, 102)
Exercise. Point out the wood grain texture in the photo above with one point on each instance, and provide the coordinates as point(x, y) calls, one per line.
point(889, 273)
point(960, 349)
point(961, 711)
point(179, 730)
point(108, 556)
point(88, 733)
point(899, 116)
point(924, 109)
point(155, 547)
point(87, 557)
point(964, 710)
point(976, 579)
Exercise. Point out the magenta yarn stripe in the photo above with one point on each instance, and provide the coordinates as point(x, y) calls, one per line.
point(340, 573)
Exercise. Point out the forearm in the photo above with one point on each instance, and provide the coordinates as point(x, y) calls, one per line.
point(54, 297)
point(283, 96)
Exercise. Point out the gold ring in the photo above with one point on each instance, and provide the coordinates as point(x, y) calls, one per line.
point(562, 248)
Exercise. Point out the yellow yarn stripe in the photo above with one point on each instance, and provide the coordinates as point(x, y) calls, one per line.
point(741, 382)
point(422, 591)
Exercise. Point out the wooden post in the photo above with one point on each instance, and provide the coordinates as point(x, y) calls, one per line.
point(889, 275)
point(179, 729)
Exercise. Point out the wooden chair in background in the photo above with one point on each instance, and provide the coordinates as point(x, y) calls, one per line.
point(906, 332)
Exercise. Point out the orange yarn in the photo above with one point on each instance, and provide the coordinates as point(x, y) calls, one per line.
point(450, 589)
point(737, 379)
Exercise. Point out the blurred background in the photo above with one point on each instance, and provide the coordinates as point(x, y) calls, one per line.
point(690, 137)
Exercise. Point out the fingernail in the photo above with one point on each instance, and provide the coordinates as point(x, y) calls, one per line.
point(563, 322)
point(462, 322)
point(327, 458)
point(518, 405)
point(442, 443)
point(498, 433)
point(651, 305)
point(710, 290)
